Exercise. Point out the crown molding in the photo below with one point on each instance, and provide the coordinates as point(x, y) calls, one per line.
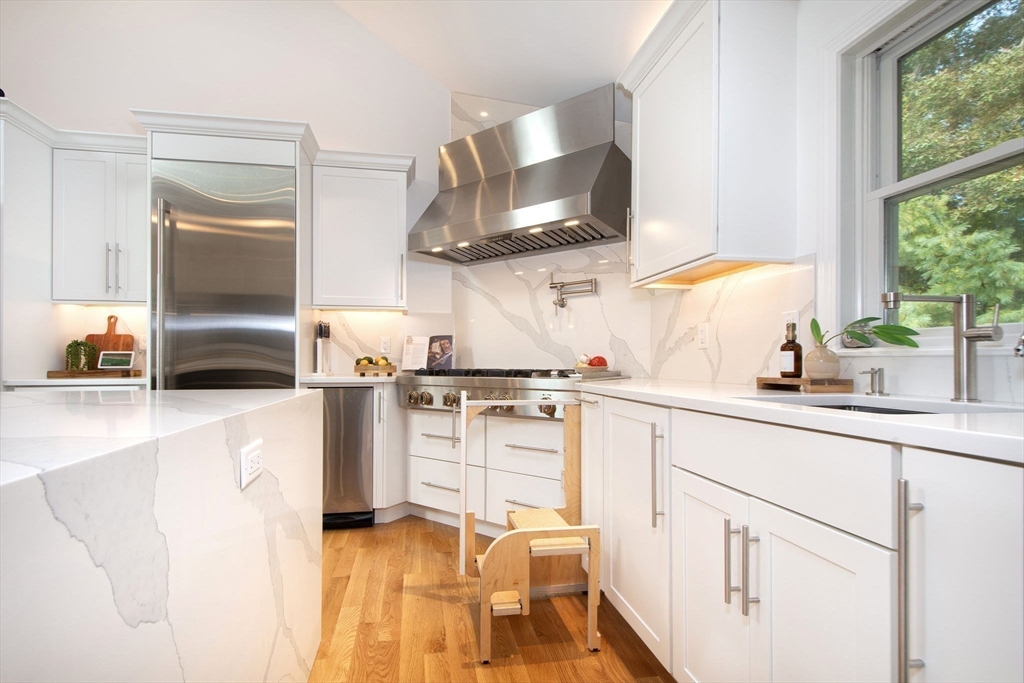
point(100, 142)
point(229, 126)
point(400, 163)
point(671, 24)
point(26, 121)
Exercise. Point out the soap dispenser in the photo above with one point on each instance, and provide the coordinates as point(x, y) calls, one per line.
point(791, 354)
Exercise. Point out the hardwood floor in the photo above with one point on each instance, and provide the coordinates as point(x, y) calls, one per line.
point(395, 609)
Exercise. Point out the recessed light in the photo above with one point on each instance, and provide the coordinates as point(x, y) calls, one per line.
point(541, 270)
point(484, 114)
point(436, 249)
point(569, 224)
point(442, 148)
point(518, 272)
point(463, 244)
point(604, 260)
point(534, 231)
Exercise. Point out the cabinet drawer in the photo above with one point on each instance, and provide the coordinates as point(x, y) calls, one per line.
point(430, 437)
point(847, 483)
point(435, 484)
point(526, 446)
point(503, 487)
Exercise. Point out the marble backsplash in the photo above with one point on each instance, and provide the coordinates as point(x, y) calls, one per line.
point(357, 333)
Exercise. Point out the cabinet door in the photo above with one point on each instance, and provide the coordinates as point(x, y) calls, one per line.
point(359, 238)
point(636, 549)
point(673, 153)
point(396, 460)
point(710, 636)
point(133, 225)
point(827, 608)
point(84, 191)
point(592, 463)
point(965, 601)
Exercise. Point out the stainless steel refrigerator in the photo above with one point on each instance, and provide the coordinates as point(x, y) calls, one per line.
point(223, 283)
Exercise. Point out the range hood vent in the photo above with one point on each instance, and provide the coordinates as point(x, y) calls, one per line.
point(547, 181)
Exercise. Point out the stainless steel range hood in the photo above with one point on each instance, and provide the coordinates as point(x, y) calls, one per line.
point(547, 181)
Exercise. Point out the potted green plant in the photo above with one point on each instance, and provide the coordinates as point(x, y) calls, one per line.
point(823, 363)
point(80, 355)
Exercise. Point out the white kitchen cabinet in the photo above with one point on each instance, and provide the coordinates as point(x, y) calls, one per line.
point(390, 463)
point(965, 560)
point(100, 226)
point(822, 600)
point(636, 540)
point(592, 464)
point(359, 231)
point(714, 140)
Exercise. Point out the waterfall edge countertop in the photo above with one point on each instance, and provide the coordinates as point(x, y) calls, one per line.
point(40, 431)
point(994, 435)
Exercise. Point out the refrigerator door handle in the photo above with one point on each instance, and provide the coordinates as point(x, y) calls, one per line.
point(162, 209)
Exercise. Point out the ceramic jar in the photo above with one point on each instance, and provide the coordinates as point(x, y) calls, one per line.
point(821, 363)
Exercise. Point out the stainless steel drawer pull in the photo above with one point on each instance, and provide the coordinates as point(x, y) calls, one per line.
point(531, 448)
point(745, 600)
point(117, 268)
point(525, 505)
point(903, 508)
point(589, 402)
point(729, 588)
point(440, 486)
point(106, 275)
point(446, 437)
point(655, 513)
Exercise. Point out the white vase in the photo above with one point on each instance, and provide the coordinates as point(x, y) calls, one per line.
point(821, 363)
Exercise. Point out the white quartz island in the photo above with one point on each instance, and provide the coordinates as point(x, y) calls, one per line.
point(129, 552)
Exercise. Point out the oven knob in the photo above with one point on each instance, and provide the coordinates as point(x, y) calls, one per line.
point(413, 398)
point(547, 410)
point(506, 397)
point(426, 398)
point(490, 397)
point(449, 400)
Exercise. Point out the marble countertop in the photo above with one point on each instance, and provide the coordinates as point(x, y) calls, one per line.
point(40, 431)
point(78, 382)
point(996, 435)
point(340, 380)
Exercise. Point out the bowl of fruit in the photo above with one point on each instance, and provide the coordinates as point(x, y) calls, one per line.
point(368, 365)
point(587, 364)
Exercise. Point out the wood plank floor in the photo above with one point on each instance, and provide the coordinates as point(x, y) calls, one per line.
point(395, 609)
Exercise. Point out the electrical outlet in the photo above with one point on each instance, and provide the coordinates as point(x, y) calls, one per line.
point(790, 317)
point(250, 462)
point(140, 341)
point(702, 336)
point(385, 344)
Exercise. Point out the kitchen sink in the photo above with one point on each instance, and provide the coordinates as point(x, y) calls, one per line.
point(887, 405)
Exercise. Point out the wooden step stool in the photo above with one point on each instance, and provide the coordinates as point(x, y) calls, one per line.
point(504, 569)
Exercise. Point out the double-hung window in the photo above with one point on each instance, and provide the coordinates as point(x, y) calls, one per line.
point(943, 209)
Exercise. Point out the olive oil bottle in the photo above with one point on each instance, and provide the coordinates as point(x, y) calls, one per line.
point(791, 355)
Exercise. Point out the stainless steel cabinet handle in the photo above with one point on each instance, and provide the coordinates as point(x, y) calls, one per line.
point(525, 505)
point(106, 272)
point(629, 239)
point(117, 268)
point(440, 486)
point(531, 448)
point(455, 439)
point(446, 437)
point(589, 402)
point(380, 407)
point(729, 588)
point(654, 476)
point(401, 277)
point(902, 508)
point(745, 600)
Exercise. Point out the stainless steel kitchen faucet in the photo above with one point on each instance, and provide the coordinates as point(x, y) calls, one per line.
point(965, 336)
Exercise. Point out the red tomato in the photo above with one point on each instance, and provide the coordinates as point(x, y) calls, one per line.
point(598, 362)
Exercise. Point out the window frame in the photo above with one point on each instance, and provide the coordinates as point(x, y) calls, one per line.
point(877, 151)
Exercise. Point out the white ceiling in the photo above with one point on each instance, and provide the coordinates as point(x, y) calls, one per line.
point(531, 51)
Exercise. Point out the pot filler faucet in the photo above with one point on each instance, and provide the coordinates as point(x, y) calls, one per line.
point(965, 336)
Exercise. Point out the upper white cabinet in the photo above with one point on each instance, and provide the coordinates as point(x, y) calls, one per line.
point(965, 560)
point(714, 141)
point(635, 549)
point(359, 230)
point(100, 226)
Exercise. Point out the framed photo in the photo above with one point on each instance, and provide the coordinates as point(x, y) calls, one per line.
point(115, 360)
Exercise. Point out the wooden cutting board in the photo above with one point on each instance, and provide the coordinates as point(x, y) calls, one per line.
point(109, 340)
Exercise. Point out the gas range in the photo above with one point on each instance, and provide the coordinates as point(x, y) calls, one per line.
point(440, 390)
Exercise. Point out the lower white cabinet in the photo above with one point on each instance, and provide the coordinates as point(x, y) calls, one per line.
point(635, 546)
point(820, 602)
point(509, 491)
point(390, 464)
point(965, 556)
point(592, 466)
point(435, 484)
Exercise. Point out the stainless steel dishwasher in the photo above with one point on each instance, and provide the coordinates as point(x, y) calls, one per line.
point(348, 457)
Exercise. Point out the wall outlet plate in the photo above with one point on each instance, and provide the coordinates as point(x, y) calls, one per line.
point(250, 462)
point(790, 317)
point(702, 336)
point(385, 344)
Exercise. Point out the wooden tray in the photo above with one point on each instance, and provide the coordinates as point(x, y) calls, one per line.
point(375, 370)
point(91, 374)
point(806, 385)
